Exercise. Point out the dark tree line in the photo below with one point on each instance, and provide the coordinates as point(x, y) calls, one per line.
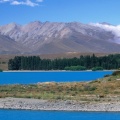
point(89, 62)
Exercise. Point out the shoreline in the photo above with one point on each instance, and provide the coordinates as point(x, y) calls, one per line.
point(57, 71)
point(58, 105)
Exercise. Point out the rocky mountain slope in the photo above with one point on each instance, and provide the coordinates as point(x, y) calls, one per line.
point(9, 46)
point(52, 37)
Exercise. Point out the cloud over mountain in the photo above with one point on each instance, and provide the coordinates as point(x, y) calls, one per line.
point(110, 28)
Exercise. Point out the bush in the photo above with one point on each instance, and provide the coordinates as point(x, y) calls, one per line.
point(97, 68)
point(1, 70)
point(116, 73)
point(3, 62)
point(90, 88)
point(106, 75)
point(74, 68)
point(109, 79)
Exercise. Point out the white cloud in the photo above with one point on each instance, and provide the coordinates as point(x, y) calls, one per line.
point(2, 1)
point(27, 2)
point(110, 28)
point(22, 2)
point(16, 3)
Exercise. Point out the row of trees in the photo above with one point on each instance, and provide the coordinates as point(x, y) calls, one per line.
point(89, 62)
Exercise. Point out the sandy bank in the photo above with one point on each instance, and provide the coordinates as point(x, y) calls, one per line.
point(35, 104)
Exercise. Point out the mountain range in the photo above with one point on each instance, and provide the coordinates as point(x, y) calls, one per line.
point(58, 37)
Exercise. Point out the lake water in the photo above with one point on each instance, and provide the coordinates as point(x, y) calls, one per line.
point(54, 115)
point(60, 76)
point(34, 77)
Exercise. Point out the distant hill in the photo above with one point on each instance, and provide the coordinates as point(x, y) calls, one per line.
point(53, 38)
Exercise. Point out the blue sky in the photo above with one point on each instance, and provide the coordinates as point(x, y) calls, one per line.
point(84, 11)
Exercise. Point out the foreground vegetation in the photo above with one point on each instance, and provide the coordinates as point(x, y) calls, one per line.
point(106, 89)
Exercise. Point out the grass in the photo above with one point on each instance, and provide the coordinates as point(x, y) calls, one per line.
point(106, 89)
point(4, 66)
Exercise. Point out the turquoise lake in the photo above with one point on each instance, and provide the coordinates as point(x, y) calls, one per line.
point(34, 77)
point(56, 115)
point(50, 76)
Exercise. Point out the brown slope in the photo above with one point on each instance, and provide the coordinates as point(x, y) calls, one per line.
point(9, 46)
point(77, 42)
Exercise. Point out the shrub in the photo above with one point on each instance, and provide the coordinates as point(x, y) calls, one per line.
point(93, 88)
point(116, 73)
point(58, 97)
point(74, 68)
point(101, 96)
point(3, 62)
point(106, 75)
point(97, 68)
point(109, 79)
point(90, 88)
point(1, 70)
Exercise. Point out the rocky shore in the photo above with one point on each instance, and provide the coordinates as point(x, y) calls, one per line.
point(58, 105)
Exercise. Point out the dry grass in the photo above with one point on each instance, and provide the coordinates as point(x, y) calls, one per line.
point(107, 89)
point(4, 66)
point(4, 61)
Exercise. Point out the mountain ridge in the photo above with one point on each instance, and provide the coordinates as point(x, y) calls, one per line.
point(58, 37)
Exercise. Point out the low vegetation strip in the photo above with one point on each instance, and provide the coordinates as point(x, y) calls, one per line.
point(106, 89)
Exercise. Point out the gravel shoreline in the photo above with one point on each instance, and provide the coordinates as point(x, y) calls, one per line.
point(58, 105)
